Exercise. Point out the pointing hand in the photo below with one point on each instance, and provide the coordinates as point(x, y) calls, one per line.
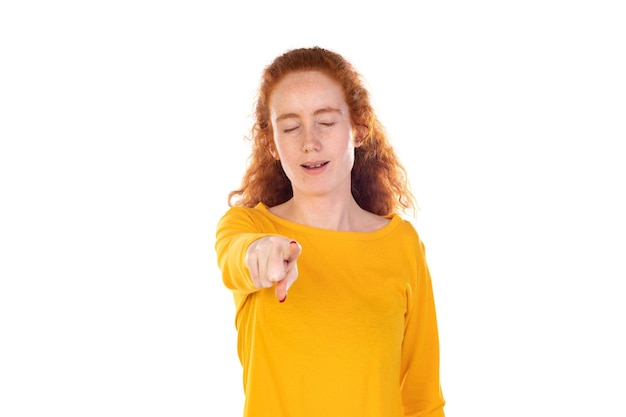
point(271, 261)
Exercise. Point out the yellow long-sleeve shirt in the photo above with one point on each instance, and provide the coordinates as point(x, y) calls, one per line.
point(357, 335)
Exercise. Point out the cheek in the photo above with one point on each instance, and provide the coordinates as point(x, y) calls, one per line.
point(277, 147)
point(288, 145)
point(279, 150)
point(284, 150)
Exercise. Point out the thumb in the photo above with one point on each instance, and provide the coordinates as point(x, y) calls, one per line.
point(292, 251)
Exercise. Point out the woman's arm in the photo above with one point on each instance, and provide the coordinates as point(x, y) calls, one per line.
point(251, 260)
point(421, 389)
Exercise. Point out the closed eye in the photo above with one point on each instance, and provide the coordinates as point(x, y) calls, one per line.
point(329, 124)
point(290, 129)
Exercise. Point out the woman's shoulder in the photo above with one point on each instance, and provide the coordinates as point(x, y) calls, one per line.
point(256, 214)
point(256, 210)
point(406, 228)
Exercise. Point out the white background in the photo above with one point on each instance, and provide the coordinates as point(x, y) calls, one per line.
point(122, 125)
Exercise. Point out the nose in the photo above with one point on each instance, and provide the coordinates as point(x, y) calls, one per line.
point(311, 142)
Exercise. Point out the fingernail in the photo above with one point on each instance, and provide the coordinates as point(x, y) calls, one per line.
point(283, 300)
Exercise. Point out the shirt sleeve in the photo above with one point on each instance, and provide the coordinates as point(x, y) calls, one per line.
point(421, 389)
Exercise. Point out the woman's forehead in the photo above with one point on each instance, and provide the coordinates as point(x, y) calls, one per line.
point(307, 89)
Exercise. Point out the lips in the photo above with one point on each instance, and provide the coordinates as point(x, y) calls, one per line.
point(313, 165)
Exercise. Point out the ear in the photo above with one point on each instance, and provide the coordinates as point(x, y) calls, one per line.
point(360, 132)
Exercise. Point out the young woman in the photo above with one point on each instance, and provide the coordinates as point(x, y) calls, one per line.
point(335, 310)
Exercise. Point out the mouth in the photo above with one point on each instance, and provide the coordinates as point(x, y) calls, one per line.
point(314, 165)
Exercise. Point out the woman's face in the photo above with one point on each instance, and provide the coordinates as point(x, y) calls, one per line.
point(313, 134)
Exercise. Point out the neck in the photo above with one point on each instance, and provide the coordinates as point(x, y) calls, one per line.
point(323, 213)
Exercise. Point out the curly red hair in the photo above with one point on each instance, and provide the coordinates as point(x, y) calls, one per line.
point(379, 180)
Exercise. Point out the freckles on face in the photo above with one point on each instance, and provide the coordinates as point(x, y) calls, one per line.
point(312, 130)
point(307, 103)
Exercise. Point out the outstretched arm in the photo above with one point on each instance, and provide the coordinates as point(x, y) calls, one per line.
point(251, 259)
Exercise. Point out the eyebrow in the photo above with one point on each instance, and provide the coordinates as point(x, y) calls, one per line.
point(315, 113)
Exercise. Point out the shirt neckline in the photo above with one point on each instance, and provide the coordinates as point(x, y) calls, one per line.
point(394, 221)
